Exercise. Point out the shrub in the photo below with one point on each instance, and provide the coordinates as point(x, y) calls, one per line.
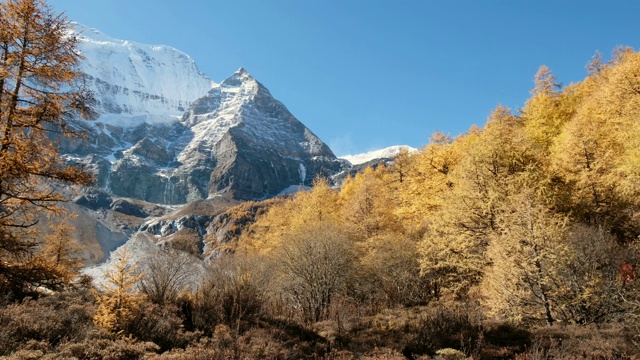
point(203, 350)
point(580, 342)
point(160, 324)
point(314, 265)
point(166, 274)
point(50, 319)
point(450, 326)
point(232, 294)
point(504, 340)
point(103, 348)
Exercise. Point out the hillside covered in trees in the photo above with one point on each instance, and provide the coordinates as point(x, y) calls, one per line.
point(518, 239)
point(534, 215)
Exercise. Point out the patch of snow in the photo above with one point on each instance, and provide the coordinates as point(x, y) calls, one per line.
point(303, 173)
point(132, 120)
point(137, 82)
point(224, 104)
point(385, 153)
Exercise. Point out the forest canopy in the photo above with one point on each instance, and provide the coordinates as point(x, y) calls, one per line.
point(534, 214)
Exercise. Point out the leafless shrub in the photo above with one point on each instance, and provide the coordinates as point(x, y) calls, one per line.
point(105, 348)
point(158, 323)
point(231, 293)
point(165, 274)
point(441, 327)
point(51, 320)
point(314, 266)
point(580, 342)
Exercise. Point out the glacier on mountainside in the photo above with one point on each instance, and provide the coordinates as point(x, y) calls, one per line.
point(134, 83)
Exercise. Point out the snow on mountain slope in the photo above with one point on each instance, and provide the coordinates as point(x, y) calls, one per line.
point(213, 115)
point(257, 147)
point(386, 153)
point(136, 82)
point(242, 100)
point(237, 140)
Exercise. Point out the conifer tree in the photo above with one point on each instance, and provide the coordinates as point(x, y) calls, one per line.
point(454, 245)
point(305, 209)
point(60, 252)
point(120, 298)
point(367, 205)
point(425, 179)
point(546, 82)
point(527, 255)
point(38, 90)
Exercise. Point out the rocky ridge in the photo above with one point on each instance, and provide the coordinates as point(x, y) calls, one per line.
point(165, 133)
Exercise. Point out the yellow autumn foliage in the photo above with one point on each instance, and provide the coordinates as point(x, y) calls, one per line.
point(505, 210)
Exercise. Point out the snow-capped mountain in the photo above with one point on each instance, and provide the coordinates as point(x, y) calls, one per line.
point(167, 134)
point(259, 147)
point(386, 153)
point(135, 82)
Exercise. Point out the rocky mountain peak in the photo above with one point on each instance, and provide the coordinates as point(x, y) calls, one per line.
point(258, 146)
point(238, 78)
point(167, 134)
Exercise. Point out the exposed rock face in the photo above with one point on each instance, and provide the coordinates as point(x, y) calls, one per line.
point(94, 199)
point(236, 140)
point(172, 226)
point(259, 148)
point(128, 208)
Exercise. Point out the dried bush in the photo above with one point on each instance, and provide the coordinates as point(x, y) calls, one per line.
point(580, 342)
point(314, 265)
point(51, 319)
point(195, 352)
point(504, 340)
point(265, 340)
point(160, 324)
point(167, 273)
point(231, 294)
point(447, 326)
point(280, 340)
point(106, 348)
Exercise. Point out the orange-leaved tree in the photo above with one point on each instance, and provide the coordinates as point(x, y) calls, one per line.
point(38, 90)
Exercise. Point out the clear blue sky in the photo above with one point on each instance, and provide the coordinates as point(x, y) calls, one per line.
point(366, 74)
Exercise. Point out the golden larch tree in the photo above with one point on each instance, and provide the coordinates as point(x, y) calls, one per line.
point(61, 253)
point(38, 90)
point(527, 254)
point(454, 245)
point(119, 297)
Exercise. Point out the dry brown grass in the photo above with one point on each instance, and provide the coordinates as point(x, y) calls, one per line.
point(46, 322)
point(604, 342)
